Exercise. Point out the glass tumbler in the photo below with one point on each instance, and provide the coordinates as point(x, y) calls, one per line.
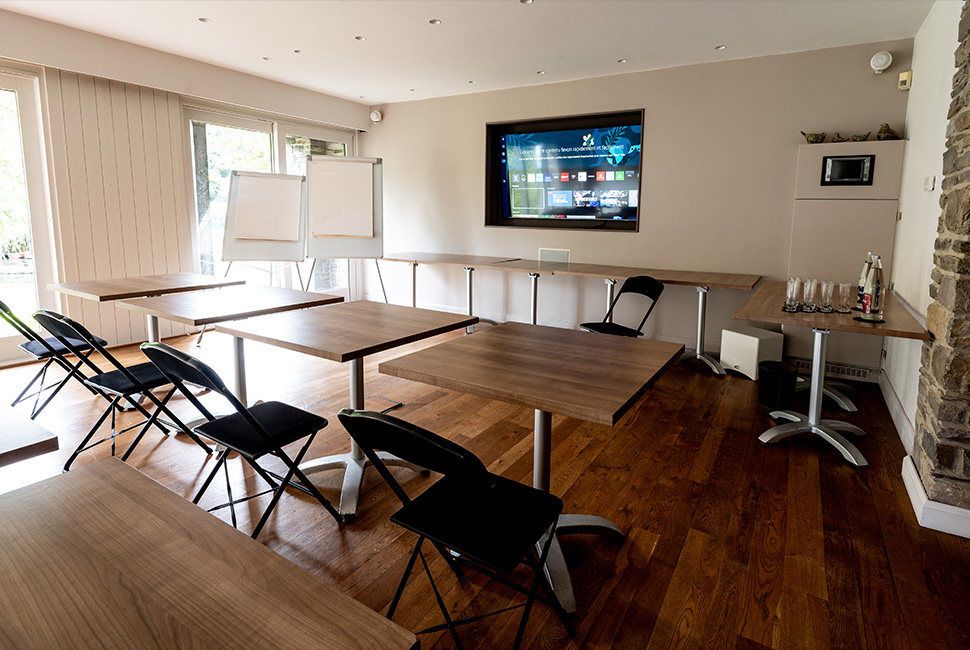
point(809, 287)
point(791, 294)
point(845, 297)
point(825, 302)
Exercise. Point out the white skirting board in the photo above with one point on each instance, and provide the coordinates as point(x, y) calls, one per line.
point(930, 514)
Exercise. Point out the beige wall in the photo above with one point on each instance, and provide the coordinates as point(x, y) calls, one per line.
point(720, 146)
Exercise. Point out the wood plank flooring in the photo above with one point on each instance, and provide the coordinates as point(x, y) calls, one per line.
point(730, 544)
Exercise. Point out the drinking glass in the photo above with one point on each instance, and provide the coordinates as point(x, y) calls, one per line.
point(845, 297)
point(791, 294)
point(809, 288)
point(825, 303)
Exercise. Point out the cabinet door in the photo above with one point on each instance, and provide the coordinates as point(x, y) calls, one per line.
point(830, 239)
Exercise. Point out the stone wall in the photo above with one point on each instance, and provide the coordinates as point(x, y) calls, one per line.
point(942, 452)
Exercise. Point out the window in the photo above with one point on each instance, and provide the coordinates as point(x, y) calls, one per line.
point(223, 143)
point(25, 261)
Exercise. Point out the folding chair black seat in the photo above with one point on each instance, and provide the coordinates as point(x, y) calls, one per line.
point(49, 350)
point(124, 383)
point(473, 517)
point(261, 430)
point(643, 285)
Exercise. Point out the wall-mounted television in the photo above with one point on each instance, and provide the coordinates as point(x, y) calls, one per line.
point(565, 172)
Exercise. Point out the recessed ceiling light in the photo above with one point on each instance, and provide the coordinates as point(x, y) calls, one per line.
point(540, 72)
point(720, 47)
point(297, 51)
point(205, 20)
point(361, 96)
point(621, 60)
point(434, 21)
point(360, 38)
point(413, 90)
point(267, 58)
point(526, 2)
point(471, 81)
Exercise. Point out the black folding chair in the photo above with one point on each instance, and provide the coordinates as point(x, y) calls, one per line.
point(643, 285)
point(49, 350)
point(124, 383)
point(486, 521)
point(251, 432)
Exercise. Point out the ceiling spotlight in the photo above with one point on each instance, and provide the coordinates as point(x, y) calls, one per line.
point(526, 2)
point(720, 47)
point(205, 20)
point(621, 60)
point(471, 81)
point(267, 58)
point(297, 51)
point(360, 38)
point(434, 21)
point(540, 72)
point(413, 90)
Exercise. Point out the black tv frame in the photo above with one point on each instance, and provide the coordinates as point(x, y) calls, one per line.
point(493, 180)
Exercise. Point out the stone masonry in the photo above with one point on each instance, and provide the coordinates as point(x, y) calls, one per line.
point(942, 450)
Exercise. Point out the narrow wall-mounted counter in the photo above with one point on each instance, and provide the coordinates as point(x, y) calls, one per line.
point(701, 280)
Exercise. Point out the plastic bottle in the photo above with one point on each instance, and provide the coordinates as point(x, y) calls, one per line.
point(862, 279)
point(872, 292)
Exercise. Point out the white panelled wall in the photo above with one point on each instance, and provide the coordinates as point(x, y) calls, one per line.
point(119, 192)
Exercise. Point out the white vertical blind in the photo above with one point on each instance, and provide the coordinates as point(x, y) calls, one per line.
point(118, 177)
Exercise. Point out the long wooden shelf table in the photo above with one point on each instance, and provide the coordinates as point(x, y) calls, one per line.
point(345, 333)
point(551, 370)
point(139, 287)
point(765, 305)
point(703, 281)
point(105, 557)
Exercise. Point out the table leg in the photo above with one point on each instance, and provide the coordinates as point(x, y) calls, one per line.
point(414, 284)
point(698, 352)
point(557, 573)
point(833, 390)
point(535, 295)
point(813, 423)
point(610, 287)
point(353, 463)
point(153, 336)
point(240, 361)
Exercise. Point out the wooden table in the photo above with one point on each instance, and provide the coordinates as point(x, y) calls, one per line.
point(105, 557)
point(139, 286)
point(765, 305)
point(552, 370)
point(22, 438)
point(703, 281)
point(345, 333)
point(230, 303)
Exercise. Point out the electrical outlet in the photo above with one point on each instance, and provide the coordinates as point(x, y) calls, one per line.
point(929, 183)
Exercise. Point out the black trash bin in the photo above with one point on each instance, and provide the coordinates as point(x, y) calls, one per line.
point(776, 385)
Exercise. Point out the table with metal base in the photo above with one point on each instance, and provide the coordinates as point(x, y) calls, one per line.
point(514, 363)
point(813, 422)
point(345, 333)
point(765, 305)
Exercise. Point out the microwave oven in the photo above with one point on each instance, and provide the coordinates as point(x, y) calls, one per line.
point(848, 170)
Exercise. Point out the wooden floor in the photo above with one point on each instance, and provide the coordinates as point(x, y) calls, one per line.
point(729, 544)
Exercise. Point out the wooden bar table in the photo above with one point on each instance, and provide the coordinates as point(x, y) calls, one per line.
point(345, 333)
point(140, 286)
point(230, 303)
point(765, 305)
point(592, 377)
point(105, 557)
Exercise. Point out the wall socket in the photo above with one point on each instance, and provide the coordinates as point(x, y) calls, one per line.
point(929, 183)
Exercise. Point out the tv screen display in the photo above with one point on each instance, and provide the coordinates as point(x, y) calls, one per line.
point(569, 172)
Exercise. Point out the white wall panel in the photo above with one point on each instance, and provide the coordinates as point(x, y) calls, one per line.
point(117, 158)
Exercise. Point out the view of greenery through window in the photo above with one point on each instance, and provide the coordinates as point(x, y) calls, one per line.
point(17, 262)
point(218, 151)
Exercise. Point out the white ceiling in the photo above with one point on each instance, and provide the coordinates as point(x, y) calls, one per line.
point(493, 43)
